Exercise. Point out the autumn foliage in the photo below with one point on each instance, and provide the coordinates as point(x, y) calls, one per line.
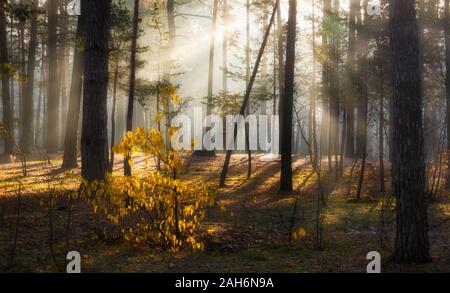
point(157, 209)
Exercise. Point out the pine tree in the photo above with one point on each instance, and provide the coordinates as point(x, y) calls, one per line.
point(288, 101)
point(408, 166)
point(94, 138)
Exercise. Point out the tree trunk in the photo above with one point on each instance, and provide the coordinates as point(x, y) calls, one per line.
point(408, 166)
point(132, 85)
point(333, 137)
point(363, 82)
point(288, 101)
point(22, 71)
point(172, 34)
point(63, 60)
point(447, 82)
point(280, 66)
point(247, 81)
point(381, 119)
point(27, 116)
point(113, 117)
point(52, 128)
point(245, 103)
point(212, 48)
point(313, 98)
point(37, 125)
point(73, 114)
point(350, 100)
point(94, 139)
point(6, 97)
point(381, 137)
point(225, 48)
point(326, 94)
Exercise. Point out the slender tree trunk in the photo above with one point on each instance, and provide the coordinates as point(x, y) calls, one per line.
point(73, 114)
point(63, 48)
point(333, 138)
point(361, 119)
point(280, 66)
point(245, 103)
point(288, 101)
point(94, 139)
point(42, 89)
point(113, 116)
point(350, 100)
point(6, 97)
point(381, 117)
point(247, 81)
point(22, 72)
point(13, 83)
point(363, 100)
point(132, 86)
point(326, 93)
point(225, 60)
point(225, 48)
point(169, 64)
point(52, 128)
point(447, 82)
point(27, 116)
point(28, 101)
point(212, 49)
point(408, 166)
point(172, 32)
point(313, 99)
point(37, 124)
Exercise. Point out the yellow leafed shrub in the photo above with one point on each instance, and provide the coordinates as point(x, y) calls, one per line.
point(157, 209)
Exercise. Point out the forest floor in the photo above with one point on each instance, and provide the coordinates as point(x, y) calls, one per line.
point(252, 235)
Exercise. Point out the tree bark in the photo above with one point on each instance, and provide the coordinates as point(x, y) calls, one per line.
point(326, 94)
point(333, 137)
point(280, 65)
point(6, 94)
point(350, 100)
point(313, 98)
point(27, 116)
point(408, 166)
point(52, 129)
point(94, 139)
point(113, 117)
point(288, 101)
point(225, 48)
point(363, 83)
point(447, 82)
point(172, 35)
point(63, 60)
point(132, 85)
point(247, 81)
point(379, 68)
point(73, 114)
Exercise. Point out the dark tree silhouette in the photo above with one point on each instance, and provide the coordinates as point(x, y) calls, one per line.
point(26, 137)
point(288, 101)
point(447, 78)
point(94, 138)
point(350, 97)
point(408, 166)
point(132, 86)
point(51, 129)
point(4, 75)
point(73, 115)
